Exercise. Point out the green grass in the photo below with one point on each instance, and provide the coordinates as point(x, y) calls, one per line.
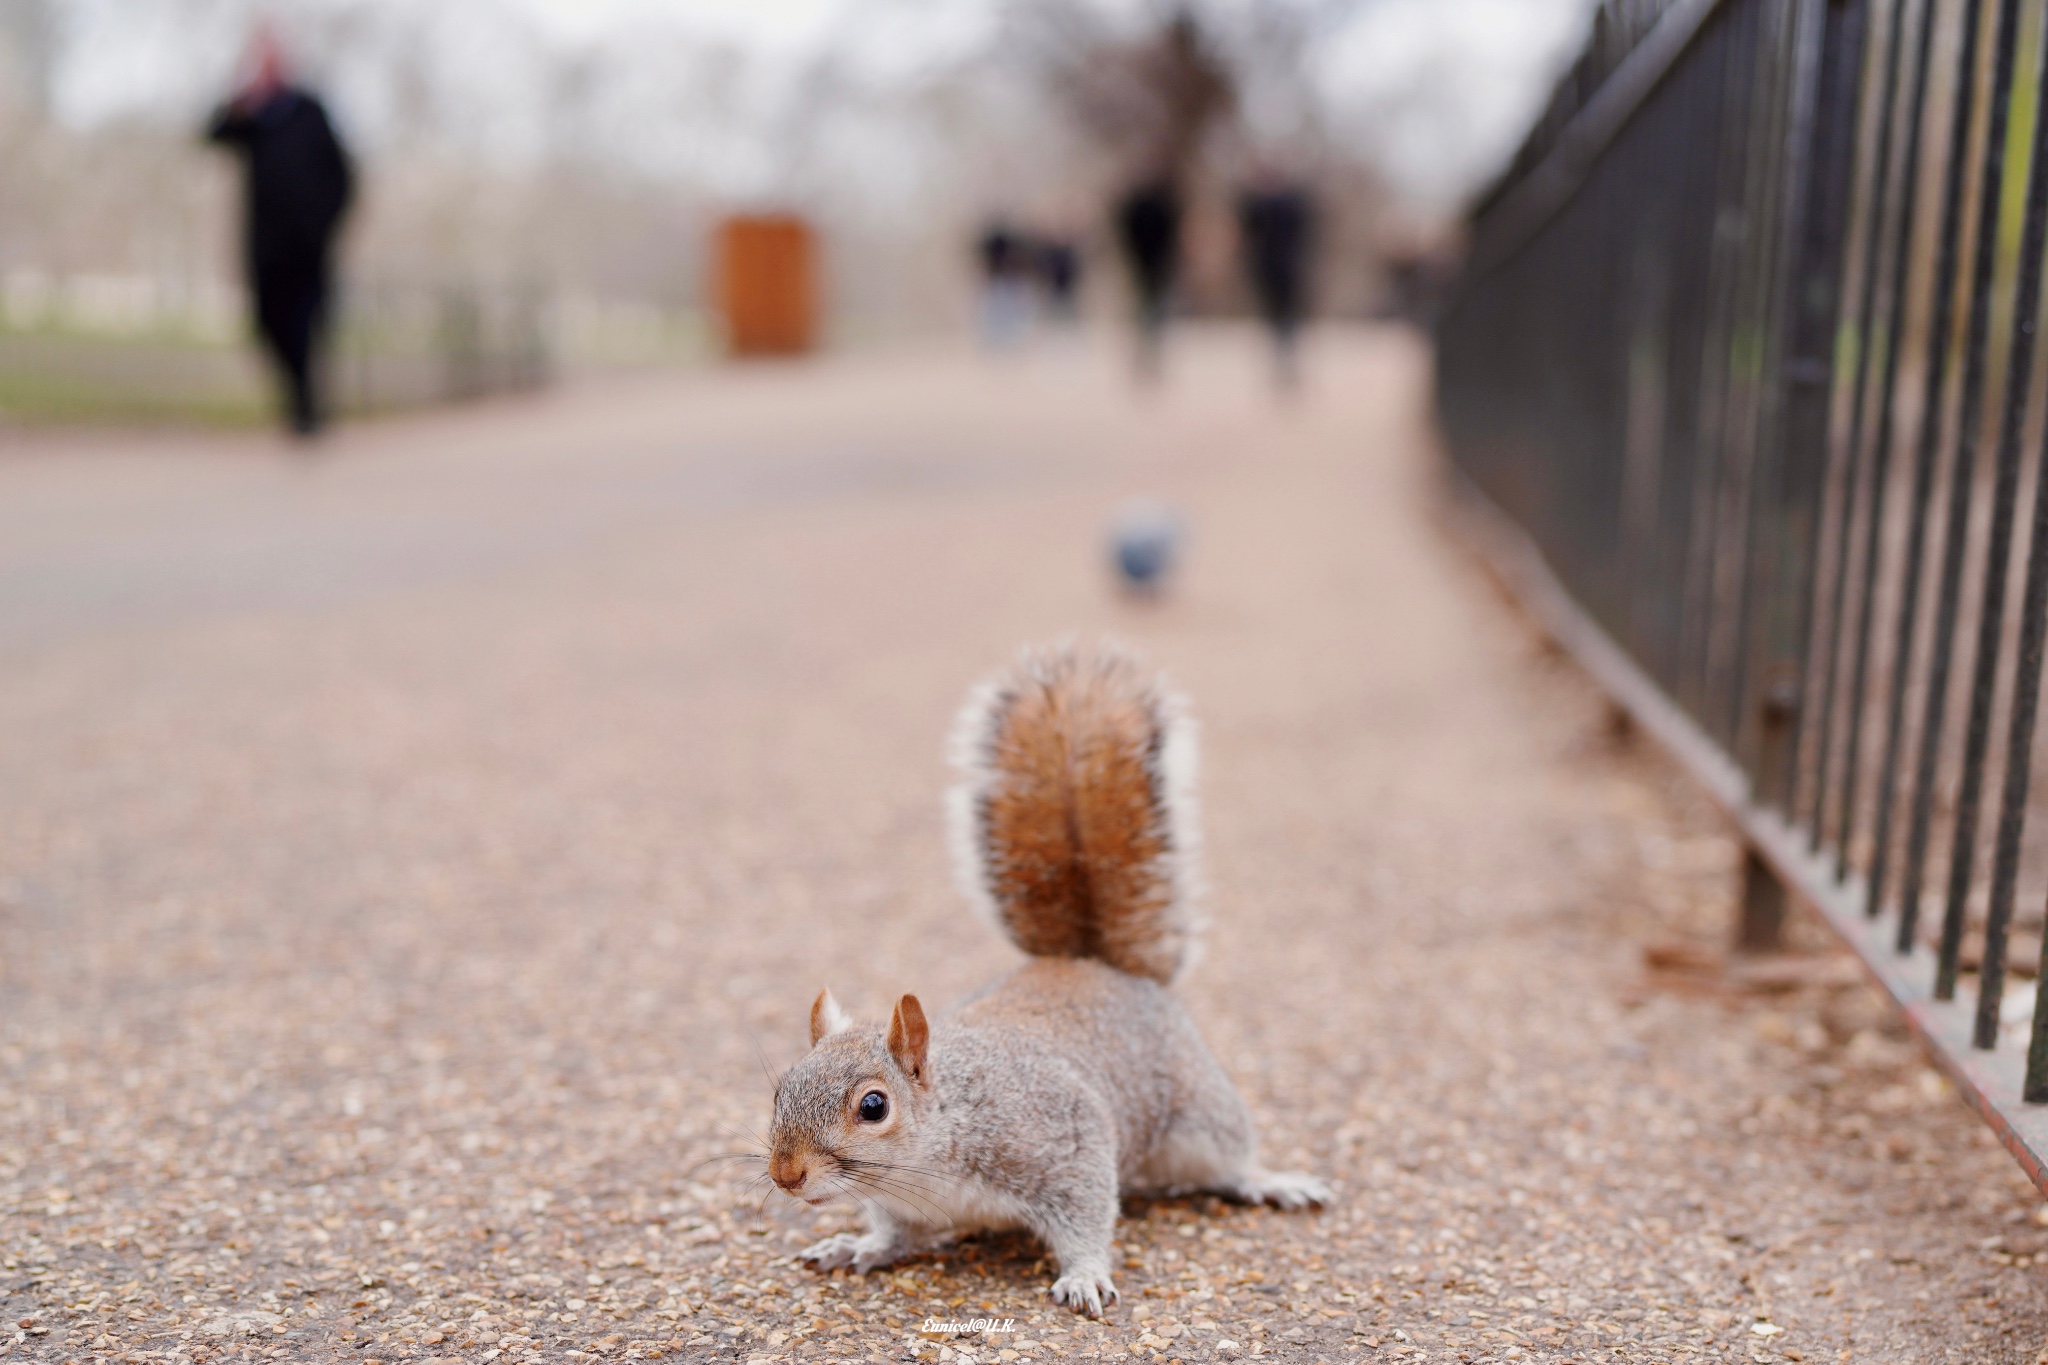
point(53, 377)
point(43, 400)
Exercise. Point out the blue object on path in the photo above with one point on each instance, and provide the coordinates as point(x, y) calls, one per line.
point(1144, 543)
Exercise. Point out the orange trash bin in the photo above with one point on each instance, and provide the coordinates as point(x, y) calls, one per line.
point(767, 285)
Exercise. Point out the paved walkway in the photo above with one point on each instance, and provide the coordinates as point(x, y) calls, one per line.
point(412, 860)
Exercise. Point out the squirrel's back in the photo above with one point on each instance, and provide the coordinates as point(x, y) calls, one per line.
point(1074, 825)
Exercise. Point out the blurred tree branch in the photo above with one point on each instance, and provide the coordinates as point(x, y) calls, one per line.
point(1148, 100)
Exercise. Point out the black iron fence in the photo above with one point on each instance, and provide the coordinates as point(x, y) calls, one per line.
point(399, 347)
point(1741, 382)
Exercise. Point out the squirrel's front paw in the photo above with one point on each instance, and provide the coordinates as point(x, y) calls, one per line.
point(833, 1252)
point(874, 1254)
point(1084, 1291)
point(862, 1253)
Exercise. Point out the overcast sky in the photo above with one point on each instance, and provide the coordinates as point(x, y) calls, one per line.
point(771, 24)
point(1438, 90)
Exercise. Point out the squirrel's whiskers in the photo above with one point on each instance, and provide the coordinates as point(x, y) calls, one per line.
point(1078, 1077)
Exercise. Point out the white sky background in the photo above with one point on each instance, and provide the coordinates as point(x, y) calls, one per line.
point(786, 25)
point(1437, 92)
point(1445, 89)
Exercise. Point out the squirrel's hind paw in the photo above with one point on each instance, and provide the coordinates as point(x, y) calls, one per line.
point(1282, 1189)
point(1084, 1291)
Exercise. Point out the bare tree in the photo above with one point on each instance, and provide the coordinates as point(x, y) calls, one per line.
point(1207, 98)
point(1149, 100)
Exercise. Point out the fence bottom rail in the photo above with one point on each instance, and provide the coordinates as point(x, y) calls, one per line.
point(1778, 859)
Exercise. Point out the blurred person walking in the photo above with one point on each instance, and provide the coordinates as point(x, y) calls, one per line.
point(298, 184)
point(1058, 264)
point(1151, 103)
point(1275, 226)
point(1148, 229)
point(1005, 294)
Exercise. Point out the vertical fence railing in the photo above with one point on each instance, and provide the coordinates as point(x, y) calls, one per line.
point(1741, 390)
point(403, 346)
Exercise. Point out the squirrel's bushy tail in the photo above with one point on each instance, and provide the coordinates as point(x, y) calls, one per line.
point(1074, 826)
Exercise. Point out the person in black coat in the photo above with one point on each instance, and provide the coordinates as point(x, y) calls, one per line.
point(1058, 264)
point(298, 185)
point(1148, 228)
point(1275, 223)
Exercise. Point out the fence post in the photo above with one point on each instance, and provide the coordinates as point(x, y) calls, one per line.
point(1793, 420)
point(1760, 928)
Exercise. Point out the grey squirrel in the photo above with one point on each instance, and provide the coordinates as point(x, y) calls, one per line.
point(1078, 1076)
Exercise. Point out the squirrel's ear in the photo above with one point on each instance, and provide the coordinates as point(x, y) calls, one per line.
point(908, 1037)
point(827, 1018)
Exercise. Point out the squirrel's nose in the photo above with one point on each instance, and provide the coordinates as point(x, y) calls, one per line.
point(787, 1171)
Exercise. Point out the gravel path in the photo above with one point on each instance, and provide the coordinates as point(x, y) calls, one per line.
point(413, 861)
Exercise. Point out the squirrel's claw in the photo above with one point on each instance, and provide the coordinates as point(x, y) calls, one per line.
point(833, 1252)
point(862, 1253)
point(1084, 1291)
point(875, 1257)
point(1281, 1189)
point(1292, 1190)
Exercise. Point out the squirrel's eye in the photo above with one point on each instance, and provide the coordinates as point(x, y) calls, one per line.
point(874, 1107)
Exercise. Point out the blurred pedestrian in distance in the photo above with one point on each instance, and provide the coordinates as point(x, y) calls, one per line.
point(1005, 286)
point(1148, 229)
point(1058, 263)
point(1275, 225)
point(298, 183)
